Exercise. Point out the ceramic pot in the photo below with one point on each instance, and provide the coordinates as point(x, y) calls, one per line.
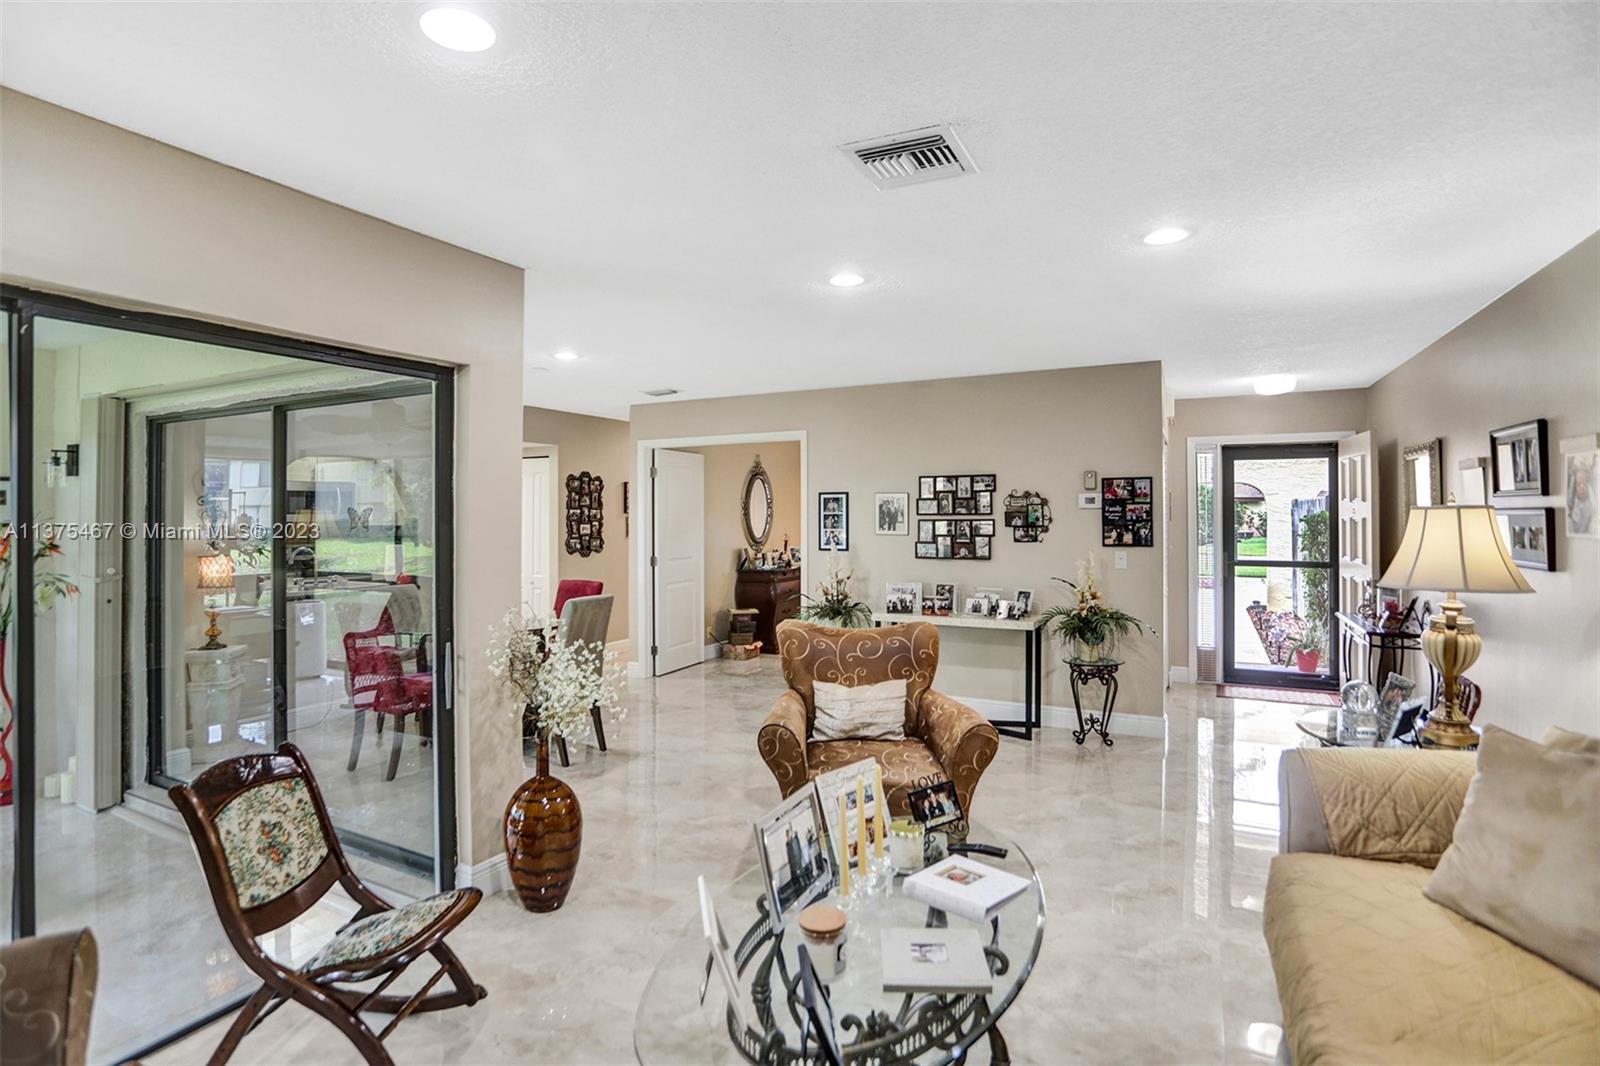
point(544, 833)
point(1306, 661)
point(1089, 653)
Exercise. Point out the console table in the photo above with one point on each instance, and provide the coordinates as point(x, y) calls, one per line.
point(1032, 630)
point(1385, 651)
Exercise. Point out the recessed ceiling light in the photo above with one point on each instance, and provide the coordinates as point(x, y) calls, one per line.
point(1274, 384)
point(1166, 235)
point(458, 30)
point(566, 355)
point(846, 279)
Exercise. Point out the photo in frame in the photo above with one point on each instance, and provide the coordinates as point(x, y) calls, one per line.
point(833, 521)
point(893, 510)
point(1580, 478)
point(935, 805)
point(954, 494)
point(1530, 534)
point(903, 598)
point(721, 954)
point(955, 538)
point(792, 843)
point(585, 518)
point(1397, 689)
point(942, 602)
point(1517, 459)
point(840, 785)
point(1127, 512)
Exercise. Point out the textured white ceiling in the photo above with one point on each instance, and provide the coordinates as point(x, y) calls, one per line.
point(1360, 178)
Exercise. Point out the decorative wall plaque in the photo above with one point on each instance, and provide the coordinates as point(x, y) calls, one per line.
point(1127, 512)
point(1027, 514)
point(584, 514)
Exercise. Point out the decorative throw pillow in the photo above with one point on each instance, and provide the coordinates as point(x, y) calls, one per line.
point(1522, 861)
point(1566, 740)
point(860, 712)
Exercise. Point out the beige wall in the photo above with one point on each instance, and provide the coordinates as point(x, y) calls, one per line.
point(600, 446)
point(1533, 353)
point(1036, 431)
point(88, 208)
point(1333, 411)
point(726, 467)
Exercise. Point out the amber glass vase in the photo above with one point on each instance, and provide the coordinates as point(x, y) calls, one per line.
point(544, 833)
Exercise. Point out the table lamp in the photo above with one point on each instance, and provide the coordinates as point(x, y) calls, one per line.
point(216, 575)
point(1454, 549)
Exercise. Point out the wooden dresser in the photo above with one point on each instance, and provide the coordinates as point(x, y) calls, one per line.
point(775, 595)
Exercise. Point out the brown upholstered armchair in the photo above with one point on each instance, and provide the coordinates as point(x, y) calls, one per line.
point(944, 739)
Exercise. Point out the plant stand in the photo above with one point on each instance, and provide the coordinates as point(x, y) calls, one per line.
point(1105, 672)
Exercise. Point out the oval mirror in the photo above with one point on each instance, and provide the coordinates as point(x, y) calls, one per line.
point(757, 507)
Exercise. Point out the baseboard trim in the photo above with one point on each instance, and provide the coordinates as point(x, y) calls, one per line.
point(1123, 723)
point(491, 875)
point(623, 648)
point(1178, 675)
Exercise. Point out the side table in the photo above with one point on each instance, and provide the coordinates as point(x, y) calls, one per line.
point(1105, 672)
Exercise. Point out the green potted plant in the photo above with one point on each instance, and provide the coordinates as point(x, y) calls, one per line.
point(834, 605)
point(1089, 623)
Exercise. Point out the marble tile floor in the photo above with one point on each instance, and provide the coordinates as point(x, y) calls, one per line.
point(1153, 854)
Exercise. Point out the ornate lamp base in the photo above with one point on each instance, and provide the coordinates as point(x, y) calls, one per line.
point(1452, 645)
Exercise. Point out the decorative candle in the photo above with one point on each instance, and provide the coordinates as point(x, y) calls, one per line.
point(861, 822)
point(877, 810)
point(844, 848)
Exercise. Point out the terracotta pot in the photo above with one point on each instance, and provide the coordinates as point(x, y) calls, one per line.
point(544, 833)
point(1306, 661)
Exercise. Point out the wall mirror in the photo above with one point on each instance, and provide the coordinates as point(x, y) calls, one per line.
point(757, 507)
point(1420, 465)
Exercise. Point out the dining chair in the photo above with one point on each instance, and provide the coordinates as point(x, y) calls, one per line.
point(586, 618)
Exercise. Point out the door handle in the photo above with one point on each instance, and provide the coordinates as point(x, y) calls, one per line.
point(448, 683)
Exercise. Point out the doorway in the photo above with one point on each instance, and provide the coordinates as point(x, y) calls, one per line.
point(540, 563)
point(1279, 534)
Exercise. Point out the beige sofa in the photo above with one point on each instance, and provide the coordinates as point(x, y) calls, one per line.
point(1368, 969)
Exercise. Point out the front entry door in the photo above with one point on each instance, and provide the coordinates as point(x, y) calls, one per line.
point(679, 488)
point(1280, 543)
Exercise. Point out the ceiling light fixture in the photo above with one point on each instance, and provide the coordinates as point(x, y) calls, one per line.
point(458, 30)
point(1274, 384)
point(1166, 235)
point(846, 279)
point(566, 355)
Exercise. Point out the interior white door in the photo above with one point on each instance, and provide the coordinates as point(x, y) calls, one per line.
point(678, 486)
point(537, 578)
point(1358, 527)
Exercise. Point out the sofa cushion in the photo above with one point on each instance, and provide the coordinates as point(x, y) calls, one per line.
point(1370, 970)
point(864, 712)
point(1523, 858)
point(907, 765)
point(1566, 740)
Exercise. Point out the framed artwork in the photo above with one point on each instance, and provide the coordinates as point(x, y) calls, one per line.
point(1580, 458)
point(1420, 466)
point(792, 842)
point(833, 521)
point(1474, 481)
point(1530, 534)
point(942, 602)
point(955, 538)
point(1027, 515)
point(894, 513)
point(903, 598)
point(1517, 456)
point(1127, 512)
point(585, 522)
point(955, 494)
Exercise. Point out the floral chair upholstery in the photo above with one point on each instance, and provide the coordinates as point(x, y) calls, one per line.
point(269, 854)
point(945, 740)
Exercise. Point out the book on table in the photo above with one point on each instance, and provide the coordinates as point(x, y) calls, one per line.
point(964, 887)
point(935, 960)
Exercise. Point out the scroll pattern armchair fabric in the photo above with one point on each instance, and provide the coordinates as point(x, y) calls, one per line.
point(944, 738)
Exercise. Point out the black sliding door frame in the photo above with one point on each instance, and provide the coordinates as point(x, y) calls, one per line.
point(1231, 673)
point(24, 306)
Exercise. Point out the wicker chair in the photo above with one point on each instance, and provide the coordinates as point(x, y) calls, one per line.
point(945, 740)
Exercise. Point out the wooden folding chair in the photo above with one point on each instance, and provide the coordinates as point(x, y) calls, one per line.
point(269, 853)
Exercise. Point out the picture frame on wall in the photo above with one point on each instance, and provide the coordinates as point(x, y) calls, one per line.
point(1518, 459)
point(1580, 477)
point(1474, 481)
point(1127, 512)
point(893, 510)
point(833, 521)
point(1530, 534)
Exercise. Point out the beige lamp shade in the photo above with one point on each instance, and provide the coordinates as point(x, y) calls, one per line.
point(1454, 549)
point(216, 572)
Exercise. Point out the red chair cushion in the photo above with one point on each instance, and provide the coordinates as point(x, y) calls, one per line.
point(572, 588)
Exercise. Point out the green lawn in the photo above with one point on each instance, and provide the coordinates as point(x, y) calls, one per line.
point(1252, 547)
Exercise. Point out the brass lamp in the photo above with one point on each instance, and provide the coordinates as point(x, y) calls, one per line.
point(216, 575)
point(1454, 549)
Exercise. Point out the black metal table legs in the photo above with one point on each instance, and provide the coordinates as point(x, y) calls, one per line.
point(1032, 689)
point(1106, 674)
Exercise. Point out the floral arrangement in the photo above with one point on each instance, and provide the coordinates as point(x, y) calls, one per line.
point(48, 585)
point(833, 605)
point(557, 681)
point(1090, 620)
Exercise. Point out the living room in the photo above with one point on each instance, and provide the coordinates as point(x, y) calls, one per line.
point(1117, 439)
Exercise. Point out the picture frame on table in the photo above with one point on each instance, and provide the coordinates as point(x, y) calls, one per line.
point(893, 510)
point(721, 958)
point(796, 861)
point(835, 785)
point(833, 521)
point(1024, 602)
point(935, 805)
point(1397, 689)
point(1518, 459)
point(1530, 534)
point(903, 598)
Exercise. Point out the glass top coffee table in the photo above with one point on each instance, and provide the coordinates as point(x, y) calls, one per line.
point(674, 1026)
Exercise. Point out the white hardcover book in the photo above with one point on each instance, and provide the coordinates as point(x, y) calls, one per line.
point(935, 960)
point(964, 887)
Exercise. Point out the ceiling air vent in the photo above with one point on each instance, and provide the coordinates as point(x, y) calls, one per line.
point(661, 392)
point(926, 154)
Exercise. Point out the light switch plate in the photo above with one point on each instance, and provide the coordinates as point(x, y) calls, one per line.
point(1120, 560)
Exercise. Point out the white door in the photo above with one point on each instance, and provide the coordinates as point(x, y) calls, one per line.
point(678, 483)
point(1358, 527)
point(537, 577)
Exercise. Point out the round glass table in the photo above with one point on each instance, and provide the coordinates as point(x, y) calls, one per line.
point(676, 1024)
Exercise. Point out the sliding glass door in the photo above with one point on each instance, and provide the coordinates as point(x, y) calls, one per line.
point(1279, 540)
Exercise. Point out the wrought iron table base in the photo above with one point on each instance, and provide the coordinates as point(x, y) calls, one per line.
point(1104, 672)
